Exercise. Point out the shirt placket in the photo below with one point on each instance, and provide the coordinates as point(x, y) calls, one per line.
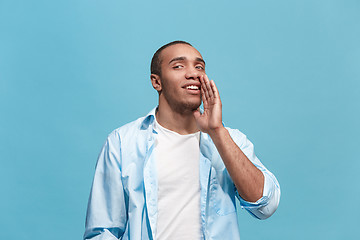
point(151, 185)
point(204, 168)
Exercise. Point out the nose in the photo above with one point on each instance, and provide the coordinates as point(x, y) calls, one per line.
point(192, 74)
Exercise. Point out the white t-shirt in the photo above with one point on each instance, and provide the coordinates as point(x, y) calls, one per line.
point(177, 162)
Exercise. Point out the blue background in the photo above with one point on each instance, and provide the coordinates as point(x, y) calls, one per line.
point(72, 71)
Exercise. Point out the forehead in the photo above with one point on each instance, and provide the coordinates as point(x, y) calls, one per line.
point(179, 50)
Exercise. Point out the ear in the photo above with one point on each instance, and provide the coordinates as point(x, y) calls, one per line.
point(156, 82)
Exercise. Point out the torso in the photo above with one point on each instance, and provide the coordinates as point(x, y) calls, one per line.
point(177, 163)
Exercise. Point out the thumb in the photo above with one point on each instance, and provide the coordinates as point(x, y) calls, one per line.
point(196, 114)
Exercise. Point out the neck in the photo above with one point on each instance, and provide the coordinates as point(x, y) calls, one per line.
point(182, 122)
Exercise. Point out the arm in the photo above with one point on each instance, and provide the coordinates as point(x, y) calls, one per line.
point(250, 179)
point(106, 214)
point(268, 203)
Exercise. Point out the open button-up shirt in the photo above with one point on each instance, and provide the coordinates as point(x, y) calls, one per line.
point(123, 198)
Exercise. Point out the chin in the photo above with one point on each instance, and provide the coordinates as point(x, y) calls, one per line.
point(192, 106)
point(185, 106)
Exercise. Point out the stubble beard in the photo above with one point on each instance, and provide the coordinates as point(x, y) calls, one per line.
point(183, 107)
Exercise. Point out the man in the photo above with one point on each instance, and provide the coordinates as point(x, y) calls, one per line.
point(175, 173)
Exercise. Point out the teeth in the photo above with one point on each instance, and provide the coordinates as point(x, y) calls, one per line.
point(192, 87)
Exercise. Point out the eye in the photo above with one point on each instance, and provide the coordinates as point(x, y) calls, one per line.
point(199, 67)
point(178, 66)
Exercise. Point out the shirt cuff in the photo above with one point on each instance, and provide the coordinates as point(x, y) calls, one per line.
point(268, 203)
point(264, 200)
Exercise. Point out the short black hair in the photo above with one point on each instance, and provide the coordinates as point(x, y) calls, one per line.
point(155, 67)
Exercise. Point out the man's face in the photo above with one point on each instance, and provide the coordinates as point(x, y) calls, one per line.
point(181, 68)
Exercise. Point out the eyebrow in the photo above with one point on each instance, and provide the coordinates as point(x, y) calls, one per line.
point(184, 58)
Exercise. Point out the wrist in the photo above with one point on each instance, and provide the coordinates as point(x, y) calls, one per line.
point(217, 133)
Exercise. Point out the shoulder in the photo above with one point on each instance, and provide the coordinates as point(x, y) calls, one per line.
point(135, 131)
point(129, 130)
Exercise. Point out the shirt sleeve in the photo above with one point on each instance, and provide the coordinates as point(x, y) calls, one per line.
point(268, 203)
point(106, 213)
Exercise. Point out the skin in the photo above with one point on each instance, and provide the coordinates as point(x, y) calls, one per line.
point(179, 111)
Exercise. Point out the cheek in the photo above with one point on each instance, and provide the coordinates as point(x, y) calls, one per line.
point(170, 84)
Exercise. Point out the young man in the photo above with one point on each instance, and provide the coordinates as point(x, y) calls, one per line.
point(174, 174)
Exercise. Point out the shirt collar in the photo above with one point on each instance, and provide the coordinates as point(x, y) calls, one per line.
point(148, 119)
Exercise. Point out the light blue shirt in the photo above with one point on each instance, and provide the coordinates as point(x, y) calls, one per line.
point(123, 198)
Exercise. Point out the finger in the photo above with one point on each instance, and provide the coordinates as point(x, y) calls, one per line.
point(204, 99)
point(208, 87)
point(214, 89)
point(203, 95)
point(204, 88)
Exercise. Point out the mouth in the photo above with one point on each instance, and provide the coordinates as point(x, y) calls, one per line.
point(192, 87)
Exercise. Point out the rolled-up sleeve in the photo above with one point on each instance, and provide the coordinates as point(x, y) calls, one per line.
point(106, 213)
point(268, 203)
